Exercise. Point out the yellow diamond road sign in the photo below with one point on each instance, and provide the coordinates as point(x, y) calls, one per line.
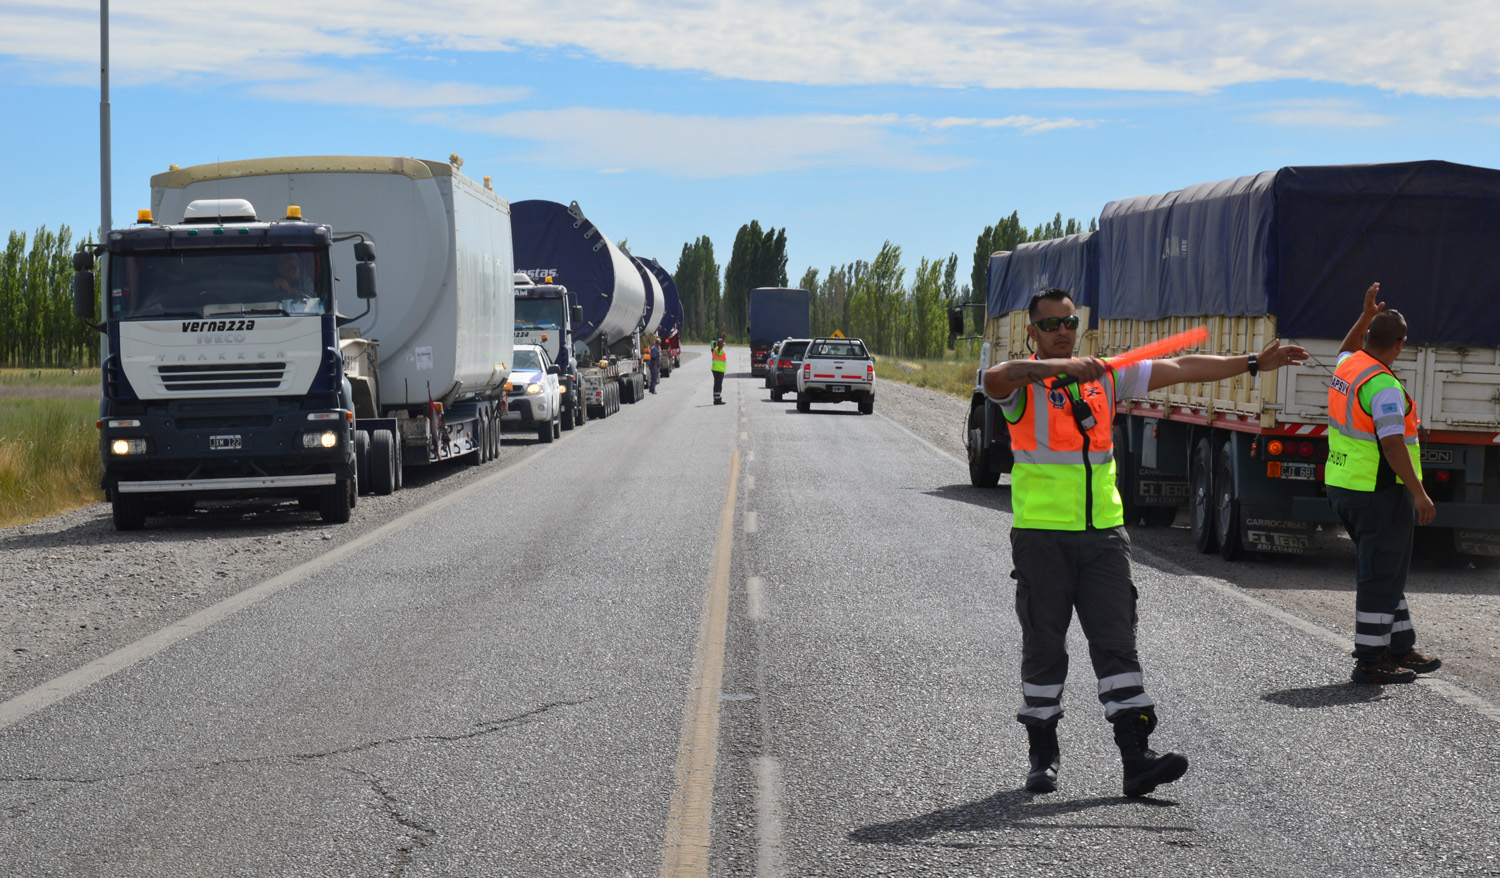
point(837, 334)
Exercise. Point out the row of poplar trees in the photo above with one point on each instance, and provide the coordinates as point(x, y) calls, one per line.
point(870, 300)
point(37, 326)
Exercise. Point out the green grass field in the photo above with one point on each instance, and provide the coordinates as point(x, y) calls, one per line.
point(953, 377)
point(49, 447)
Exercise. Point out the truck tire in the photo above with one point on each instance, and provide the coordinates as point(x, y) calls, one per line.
point(362, 460)
point(1201, 497)
point(129, 511)
point(334, 502)
point(382, 463)
point(804, 405)
point(566, 421)
point(867, 404)
point(544, 432)
point(981, 475)
point(777, 395)
point(1227, 508)
point(400, 452)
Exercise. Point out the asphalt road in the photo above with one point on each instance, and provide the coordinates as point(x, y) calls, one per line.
point(738, 640)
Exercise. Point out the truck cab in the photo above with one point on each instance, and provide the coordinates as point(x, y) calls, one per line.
point(221, 374)
point(545, 316)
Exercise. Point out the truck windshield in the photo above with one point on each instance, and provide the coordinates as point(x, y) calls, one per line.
point(205, 283)
point(538, 313)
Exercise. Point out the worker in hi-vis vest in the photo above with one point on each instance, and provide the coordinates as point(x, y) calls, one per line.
point(1068, 539)
point(720, 366)
point(1374, 477)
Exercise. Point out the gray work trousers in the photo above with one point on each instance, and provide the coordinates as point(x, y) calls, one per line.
point(1381, 524)
point(1056, 573)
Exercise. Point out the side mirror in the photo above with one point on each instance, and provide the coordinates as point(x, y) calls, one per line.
point(83, 260)
point(956, 320)
point(554, 369)
point(577, 311)
point(364, 280)
point(364, 251)
point(83, 293)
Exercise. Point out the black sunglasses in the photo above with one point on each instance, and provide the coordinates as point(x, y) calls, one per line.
point(1052, 324)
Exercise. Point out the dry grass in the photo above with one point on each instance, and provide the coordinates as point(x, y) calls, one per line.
point(83, 376)
point(951, 376)
point(49, 457)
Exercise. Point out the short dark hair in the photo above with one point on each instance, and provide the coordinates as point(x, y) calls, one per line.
point(1387, 328)
point(1053, 293)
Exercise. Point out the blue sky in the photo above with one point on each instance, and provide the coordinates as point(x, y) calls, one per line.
point(846, 121)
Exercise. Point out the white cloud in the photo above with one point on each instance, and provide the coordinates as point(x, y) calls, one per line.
point(1320, 114)
point(373, 89)
point(702, 147)
point(1439, 49)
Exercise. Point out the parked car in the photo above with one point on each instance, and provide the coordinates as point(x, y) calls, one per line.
point(836, 370)
point(781, 377)
point(532, 397)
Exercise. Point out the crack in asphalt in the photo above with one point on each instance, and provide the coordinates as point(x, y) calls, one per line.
point(423, 834)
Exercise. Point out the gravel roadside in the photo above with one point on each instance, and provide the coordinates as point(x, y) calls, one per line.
point(72, 589)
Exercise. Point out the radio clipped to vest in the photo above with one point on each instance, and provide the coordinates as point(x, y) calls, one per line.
point(1083, 413)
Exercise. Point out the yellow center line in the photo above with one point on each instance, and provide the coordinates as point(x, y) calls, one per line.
point(690, 819)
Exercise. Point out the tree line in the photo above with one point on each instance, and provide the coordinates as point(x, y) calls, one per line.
point(37, 326)
point(865, 299)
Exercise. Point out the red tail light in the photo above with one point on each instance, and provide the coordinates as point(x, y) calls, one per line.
point(870, 372)
point(783, 364)
point(1306, 449)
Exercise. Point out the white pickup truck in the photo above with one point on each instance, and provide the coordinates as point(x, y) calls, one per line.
point(836, 370)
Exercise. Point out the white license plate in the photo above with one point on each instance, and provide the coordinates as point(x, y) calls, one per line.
point(839, 388)
point(1304, 471)
point(224, 443)
point(1439, 456)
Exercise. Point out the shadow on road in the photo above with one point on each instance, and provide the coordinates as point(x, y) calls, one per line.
point(997, 498)
point(1331, 695)
point(1016, 809)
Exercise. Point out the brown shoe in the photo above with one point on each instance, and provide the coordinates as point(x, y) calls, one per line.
point(1416, 662)
point(1383, 671)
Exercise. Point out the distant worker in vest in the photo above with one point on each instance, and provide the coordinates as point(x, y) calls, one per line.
point(720, 366)
point(1374, 477)
point(1068, 539)
point(654, 357)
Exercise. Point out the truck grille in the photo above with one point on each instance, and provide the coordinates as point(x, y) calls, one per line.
point(230, 376)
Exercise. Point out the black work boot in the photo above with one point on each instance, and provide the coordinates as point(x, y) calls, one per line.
point(1144, 769)
point(1044, 758)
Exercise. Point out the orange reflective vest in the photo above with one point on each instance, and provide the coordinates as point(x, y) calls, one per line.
point(1064, 477)
point(1354, 455)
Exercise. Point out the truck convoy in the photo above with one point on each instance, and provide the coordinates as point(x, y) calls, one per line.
point(775, 313)
point(616, 298)
point(1282, 254)
point(230, 368)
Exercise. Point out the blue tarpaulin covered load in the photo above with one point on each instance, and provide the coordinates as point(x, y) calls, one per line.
point(1303, 243)
point(1069, 263)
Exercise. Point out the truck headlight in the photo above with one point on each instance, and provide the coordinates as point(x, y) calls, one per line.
point(327, 439)
point(124, 447)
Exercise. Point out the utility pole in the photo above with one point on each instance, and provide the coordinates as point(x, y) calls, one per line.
point(104, 161)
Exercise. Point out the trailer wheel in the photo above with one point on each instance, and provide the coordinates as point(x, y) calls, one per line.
point(1201, 497)
point(129, 511)
point(400, 451)
point(362, 460)
point(580, 413)
point(980, 473)
point(335, 501)
point(382, 463)
point(1227, 508)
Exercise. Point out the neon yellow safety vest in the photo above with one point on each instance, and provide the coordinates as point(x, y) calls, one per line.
point(1055, 483)
point(721, 359)
point(1354, 454)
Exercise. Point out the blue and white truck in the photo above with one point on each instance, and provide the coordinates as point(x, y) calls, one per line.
point(573, 264)
point(251, 357)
